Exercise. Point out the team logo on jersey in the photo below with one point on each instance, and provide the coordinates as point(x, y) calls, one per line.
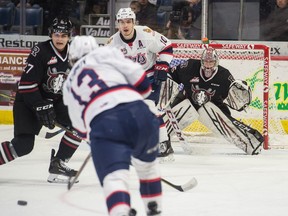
point(194, 80)
point(201, 96)
point(55, 81)
point(140, 58)
point(53, 60)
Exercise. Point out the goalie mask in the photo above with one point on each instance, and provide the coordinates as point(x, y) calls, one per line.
point(209, 62)
point(61, 25)
point(81, 46)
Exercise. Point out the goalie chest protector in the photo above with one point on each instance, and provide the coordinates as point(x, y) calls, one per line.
point(200, 89)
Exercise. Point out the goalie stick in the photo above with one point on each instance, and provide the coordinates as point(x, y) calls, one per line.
point(173, 121)
point(72, 180)
point(168, 94)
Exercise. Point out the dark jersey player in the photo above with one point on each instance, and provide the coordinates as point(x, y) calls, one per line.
point(204, 80)
point(207, 85)
point(39, 101)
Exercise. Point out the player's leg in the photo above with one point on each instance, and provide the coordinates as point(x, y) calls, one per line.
point(165, 149)
point(127, 136)
point(23, 141)
point(178, 118)
point(112, 142)
point(234, 131)
point(67, 147)
point(145, 163)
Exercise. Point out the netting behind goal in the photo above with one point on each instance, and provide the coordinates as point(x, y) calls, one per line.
point(250, 63)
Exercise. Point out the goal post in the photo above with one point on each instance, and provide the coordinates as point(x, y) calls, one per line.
point(249, 62)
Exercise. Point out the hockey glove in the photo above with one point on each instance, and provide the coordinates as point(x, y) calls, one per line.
point(45, 114)
point(239, 95)
point(160, 74)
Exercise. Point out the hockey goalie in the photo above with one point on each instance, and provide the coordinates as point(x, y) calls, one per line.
point(206, 86)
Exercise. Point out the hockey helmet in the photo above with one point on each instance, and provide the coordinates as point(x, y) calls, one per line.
point(81, 46)
point(126, 13)
point(61, 25)
point(209, 60)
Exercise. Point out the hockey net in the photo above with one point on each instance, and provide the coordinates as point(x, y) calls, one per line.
point(250, 63)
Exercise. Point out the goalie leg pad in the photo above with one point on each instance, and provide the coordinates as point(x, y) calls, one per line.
point(173, 127)
point(184, 113)
point(234, 131)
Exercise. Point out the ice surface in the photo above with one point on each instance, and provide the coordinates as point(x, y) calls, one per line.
point(230, 183)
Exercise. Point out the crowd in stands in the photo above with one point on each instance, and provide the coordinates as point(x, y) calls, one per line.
point(176, 19)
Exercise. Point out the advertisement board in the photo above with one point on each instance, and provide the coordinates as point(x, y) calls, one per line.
point(12, 62)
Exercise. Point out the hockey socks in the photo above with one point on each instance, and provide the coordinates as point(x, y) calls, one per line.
point(7, 152)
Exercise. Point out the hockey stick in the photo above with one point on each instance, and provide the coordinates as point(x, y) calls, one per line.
point(175, 126)
point(70, 131)
point(184, 187)
point(169, 92)
point(7, 96)
point(73, 180)
point(49, 135)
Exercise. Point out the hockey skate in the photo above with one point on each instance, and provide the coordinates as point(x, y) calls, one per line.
point(165, 152)
point(58, 168)
point(152, 206)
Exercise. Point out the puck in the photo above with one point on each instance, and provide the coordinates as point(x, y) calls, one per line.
point(22, 202)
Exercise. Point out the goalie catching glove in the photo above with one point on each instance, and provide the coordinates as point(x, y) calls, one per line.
point(161, 71)
point(239, 95)
point(45, 114)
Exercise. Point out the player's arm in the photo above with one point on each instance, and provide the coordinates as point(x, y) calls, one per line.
point(31, 77)
point(29, 89)
point(162, 46)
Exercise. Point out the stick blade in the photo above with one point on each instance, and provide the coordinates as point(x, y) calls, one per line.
point(189, 185)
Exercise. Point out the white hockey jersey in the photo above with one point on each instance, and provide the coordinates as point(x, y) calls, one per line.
point(146, 47)
point(100, 81)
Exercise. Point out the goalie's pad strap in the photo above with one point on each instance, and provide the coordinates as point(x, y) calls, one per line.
point(234, 131)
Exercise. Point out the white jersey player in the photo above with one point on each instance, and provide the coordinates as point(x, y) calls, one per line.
point(154, 52)
point(105, 95)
